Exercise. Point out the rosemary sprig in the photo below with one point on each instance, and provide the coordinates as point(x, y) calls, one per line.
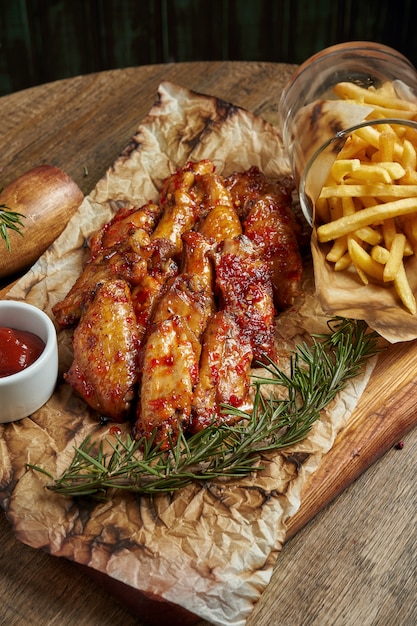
point(317, 373)
point(9, 220)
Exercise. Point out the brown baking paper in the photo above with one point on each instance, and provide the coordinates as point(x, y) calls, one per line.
point(209, 548)
point(344, 294)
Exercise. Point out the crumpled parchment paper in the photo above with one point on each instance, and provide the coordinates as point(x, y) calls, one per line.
point(212, 548)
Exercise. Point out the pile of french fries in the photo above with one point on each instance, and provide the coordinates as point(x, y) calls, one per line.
point(368, 207)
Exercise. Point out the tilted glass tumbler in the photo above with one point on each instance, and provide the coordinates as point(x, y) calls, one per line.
point(315, 120)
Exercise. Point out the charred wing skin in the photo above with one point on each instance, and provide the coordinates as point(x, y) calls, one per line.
point(181, 205)
point(246, 187)
point(222, 222)
point(169, 374)
point(68, 311)
point(104, 370)
point(127, 260)
point(264, 207)
point(224, 373)
point(269, 227)
point(124, 225)
point(244, 283)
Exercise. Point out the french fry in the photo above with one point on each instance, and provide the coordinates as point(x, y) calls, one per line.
point(377, 190)
point(395, 258)
point(380, 172)
point(389, 230)
point(379, 254)
point(351, 91)
point(401, 283)
point(337, 250)
point(343, 263)
point(342, 167)
point(362, 260)
point(403, 289)
point(348, 206)
point(369, 235)
point(409, 178)
point(409, 156)
point(349, 223)
point(386, 146)
point(394, 113)
point(352, 147)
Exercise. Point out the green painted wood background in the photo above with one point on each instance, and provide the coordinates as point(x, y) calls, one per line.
point(45, 40)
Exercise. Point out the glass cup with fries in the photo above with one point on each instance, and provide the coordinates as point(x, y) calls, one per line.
point(349, 124)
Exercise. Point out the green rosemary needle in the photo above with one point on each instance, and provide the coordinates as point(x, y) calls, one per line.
point(317, 373)
point(9, 220)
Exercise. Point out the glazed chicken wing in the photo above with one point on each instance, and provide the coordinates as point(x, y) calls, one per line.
point(264, 205)
point(169, 374)
point(128, 260)
point(222, 222)
point(176, 303)
point(169, 361)
point(68, 311)
point(180, 203)
point(104, 370)
point(124, 225)
point(244, 283)
point(145, 295)
point(267, 225)
point(224, 372)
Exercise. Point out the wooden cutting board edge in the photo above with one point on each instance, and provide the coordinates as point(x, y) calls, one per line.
point(385, 413)
point(381, 419)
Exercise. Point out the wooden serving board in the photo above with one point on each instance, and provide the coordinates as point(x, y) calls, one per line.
point(385, 413)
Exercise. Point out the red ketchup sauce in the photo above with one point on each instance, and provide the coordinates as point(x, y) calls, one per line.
point(18, 350)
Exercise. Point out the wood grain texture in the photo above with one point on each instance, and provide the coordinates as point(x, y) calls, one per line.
point(355, 561)
point(44, 41)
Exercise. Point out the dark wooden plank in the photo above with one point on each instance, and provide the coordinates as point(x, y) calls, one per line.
point(44, 41)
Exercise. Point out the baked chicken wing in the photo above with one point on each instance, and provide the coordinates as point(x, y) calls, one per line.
point(104, 369)
point(170, 356)
point(168, 376)
point(224, 373)
point(128, 260)
point(180, 202)
point(264, 207)
point(244, 284)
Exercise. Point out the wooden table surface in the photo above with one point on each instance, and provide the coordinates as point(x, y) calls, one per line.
point(356, 561)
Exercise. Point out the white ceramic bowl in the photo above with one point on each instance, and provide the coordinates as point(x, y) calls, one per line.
point(24, 393)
